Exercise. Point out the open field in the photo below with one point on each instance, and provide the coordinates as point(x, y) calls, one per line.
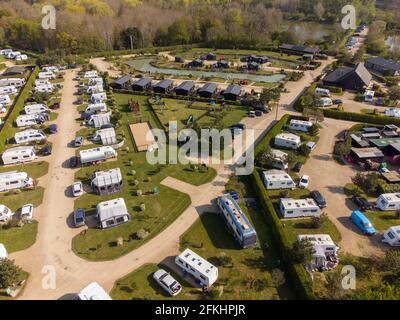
point(19, 238)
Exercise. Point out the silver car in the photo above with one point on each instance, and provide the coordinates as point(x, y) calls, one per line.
point(167, 282)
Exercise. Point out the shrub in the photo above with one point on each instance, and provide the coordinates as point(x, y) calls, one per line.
point(139, 193)
point(142, 207)
point(141, 234)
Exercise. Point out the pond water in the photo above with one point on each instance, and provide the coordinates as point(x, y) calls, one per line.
point(143, 65)
point(393, 42)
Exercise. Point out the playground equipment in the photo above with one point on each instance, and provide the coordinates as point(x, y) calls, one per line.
point(134, 106)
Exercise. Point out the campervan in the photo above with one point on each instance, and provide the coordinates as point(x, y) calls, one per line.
point(392, 236)
point(388, 202)
point(8, 90)
point(29, 136)
point(237, 221)
point(323, 92)
point(90, 156)
point(295, 208)
point(96, 108)
point(16, 82)
point(287, 140)
point(277, 179)
point(26, 120)
point(5, 99)
point(112, 213)
point(14, 180)
point(18, 155)
point(203, 271)
point(300, 125)
point(5, 213)
point(35, 109)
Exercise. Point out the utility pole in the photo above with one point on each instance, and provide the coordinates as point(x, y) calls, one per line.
point(131, 42)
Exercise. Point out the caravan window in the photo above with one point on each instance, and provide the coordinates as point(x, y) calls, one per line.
point(202, 277)
point(119, 220)
point(391, 235)
point(109, 222)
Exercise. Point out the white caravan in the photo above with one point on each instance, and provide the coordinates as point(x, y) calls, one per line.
point(388, 202)
point(16, 82)
point(5, 52)
point(95, 89)
point(42, 82)
point(18, 155)
point(280, 159)
point(13, 55)
point(93, 292)
point(45, 88)
point(96, 108)
point(277, 179)
point(392, 236)
point(46, 75)
point(5, 99)
point(27, 120)
point(90, 74)
point(12, 90)
point(3, 252)
point(99, 120)
point(369, 96)
point(203, 271)
point(50, 69)
point(326, 102)
point(112, 213)
point(295, 208)
point(96, 81)
point(287, 140)
point(98, 97)
point(5, 213)
point(300, 125)
point(35, 109)
point(29, 135)
point(21, 57)
point(90, 156)
point(323, 92)
point(14, 180)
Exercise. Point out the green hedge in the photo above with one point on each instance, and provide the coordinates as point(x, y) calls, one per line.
point(359, 117)
point(16, 108)
point(296, 272)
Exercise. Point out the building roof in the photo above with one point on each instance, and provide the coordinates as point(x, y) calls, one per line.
point(362, 143)
point(14, 70)
point(383, 142)
point(302, 49)
point(391, 176)
point(164, 84)
point(365, 153)
point(112, 208)
point(142, 82)
point(122, 80)
point(208, 87)
point(185, 85)
point(342, 73)
point(233, 89)
point(384, 63)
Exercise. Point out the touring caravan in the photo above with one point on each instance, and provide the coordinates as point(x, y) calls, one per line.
point(5, 99)
point(26, 120)
point(18, 155)
point(90, 74)
point(112, 213)
point(287, 140)
point(105, 136)
point(98, 97)
point(5, 52)
point(90, 156)
point(95, 89)
point(96, 81)
point(300, 125)
point(392, 236)
point(5, 213)
point(13, 54)
point(46, 75)
point(277, 179)
point(44, 88)
point(99, 120)
point(388, 202)
point(95, 108)
point(295, 208)
point(16, 82)
point(3, 252)
point(323, 92)
point(203, 271)
point(53, 69)
point(14, 180)
point(9, 90)
point(237, 221)
point(42, 82)
point(21, 57)
point(107, 182)
point(280, 159)
point(29, 136)
point(35, 108)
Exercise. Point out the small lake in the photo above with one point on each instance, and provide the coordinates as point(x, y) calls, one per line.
point(143, 65)
point(393, 42)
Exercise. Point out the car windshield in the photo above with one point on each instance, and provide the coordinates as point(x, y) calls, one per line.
point(367, 224)
point(304, 180)
point(79, 219)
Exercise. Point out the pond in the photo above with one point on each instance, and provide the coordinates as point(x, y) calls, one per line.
point(144, 65)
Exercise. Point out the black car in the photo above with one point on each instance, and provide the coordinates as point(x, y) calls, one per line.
point(46, 150)
point(362, 203)
point(240, 126)
point(73, 162)
point(319, 199)
point(297, 167)
point(259, 113)
point(337, 101)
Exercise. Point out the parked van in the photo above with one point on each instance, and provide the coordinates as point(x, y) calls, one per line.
point(323, 92)
point(362, 222)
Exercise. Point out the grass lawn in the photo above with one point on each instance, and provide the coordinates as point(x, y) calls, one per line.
point(382, 220)
point(16, 200)
point(295, 227)
point(35, 170)
point(19, 238)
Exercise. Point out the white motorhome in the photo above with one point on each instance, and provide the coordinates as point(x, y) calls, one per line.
point(325, 102)
point(44, 88)
point(287, 140)
point(16, 82)
point(388, 202)
point(21, 57)
point(29, 135)
point(42, 82)
point(99, 120)
point(90, 156)
point(324, 256)
point(5, 213)
point(392, 236)
point(35, 109)
point(300, 125)
point(3, 252)
point(93, 292)
point(14, 180)
point(323, 92)
point(90, 74)
point(96, 108)
point(105, 136)
point(27, 120)
point(46, 75)
point(112, 213)
point(203, 271)
point(369, 96)
point(295, 208)
point(277, 179)
point(95, 89)
point(280, 159)
point(98, 97)
point(5, 99)
point(18, 155)
point(8, 90)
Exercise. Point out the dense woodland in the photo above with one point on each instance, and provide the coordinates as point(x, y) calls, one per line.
point(100, 25)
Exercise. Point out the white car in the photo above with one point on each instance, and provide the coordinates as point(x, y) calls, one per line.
point(27, 211)
point(167, 282)
point(303, 183)
point(77, 189)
